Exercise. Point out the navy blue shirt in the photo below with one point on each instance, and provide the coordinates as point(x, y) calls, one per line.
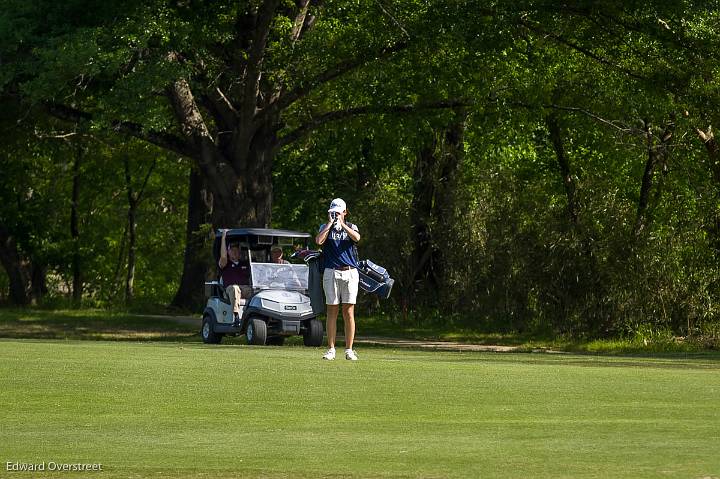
point(339, 250)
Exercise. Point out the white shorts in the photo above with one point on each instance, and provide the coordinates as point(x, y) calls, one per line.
point(340, 286)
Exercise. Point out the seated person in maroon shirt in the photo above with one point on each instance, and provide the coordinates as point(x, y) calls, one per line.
point(235, 273)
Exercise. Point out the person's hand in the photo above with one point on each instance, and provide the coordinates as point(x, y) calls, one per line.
point(341, 219)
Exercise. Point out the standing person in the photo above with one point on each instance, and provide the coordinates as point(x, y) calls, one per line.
point(340, 278)
point(235, 274)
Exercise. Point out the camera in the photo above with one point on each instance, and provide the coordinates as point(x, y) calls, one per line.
point(334, 215)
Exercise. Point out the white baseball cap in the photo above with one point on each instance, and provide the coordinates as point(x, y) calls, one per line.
point(337, 205)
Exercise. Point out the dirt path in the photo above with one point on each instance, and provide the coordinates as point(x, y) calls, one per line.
point(438, 345)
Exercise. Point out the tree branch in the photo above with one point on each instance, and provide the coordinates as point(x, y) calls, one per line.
point(164, 140)
point(330, 74)
point(246, 127)
point(67, 113)
point(563, 41)
point(221, 109)
point(621, 127)
point(196, 131)
point(657, 152)
point(141, 191)
point(299, 22)
point(392, 17)
point(186, 110)
point(255, 59)
point(365, 110)
point(612, 123)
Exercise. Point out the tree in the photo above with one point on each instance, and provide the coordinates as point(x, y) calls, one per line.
point(29, 216)
point(134, 197)
point(217, 80)
point(226, 84)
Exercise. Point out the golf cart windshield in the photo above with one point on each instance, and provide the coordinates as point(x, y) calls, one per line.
point(279, 276)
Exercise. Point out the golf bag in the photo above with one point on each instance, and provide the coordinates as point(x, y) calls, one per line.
point(375, 279)
point(315, 287)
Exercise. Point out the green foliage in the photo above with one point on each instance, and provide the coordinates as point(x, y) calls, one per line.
point(615, 77)
point(36, 192)
point(160, 225)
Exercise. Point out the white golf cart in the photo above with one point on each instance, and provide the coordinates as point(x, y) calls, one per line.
point(280, 305)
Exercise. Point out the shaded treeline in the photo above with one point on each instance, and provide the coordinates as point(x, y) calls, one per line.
point(528, 167)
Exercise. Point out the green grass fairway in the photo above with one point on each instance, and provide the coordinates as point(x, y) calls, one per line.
point(179, 410)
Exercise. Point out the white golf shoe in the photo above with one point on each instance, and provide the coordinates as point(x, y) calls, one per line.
point(330, 355)
point(350, 355)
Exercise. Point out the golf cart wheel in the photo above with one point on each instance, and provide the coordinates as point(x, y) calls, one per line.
point(209, 336)
point(276, 340)
point(313, 334)
point(256, 332)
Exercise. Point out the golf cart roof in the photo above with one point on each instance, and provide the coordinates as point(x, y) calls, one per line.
point(257, 238)
point(248, 233)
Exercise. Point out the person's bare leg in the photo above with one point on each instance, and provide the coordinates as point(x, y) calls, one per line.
point(348, 312)
point(332, 314)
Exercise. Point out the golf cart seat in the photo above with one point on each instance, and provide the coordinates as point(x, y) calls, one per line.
point(216, 288)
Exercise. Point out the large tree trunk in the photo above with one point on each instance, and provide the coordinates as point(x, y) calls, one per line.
point(425, 180)
point(234, 151)
point(252, 203)
point(197, 262)
point(237, 172)
point(233, 176)
point(227, 201)
point(452, 154)
point(18, 269)
point(433, 204)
